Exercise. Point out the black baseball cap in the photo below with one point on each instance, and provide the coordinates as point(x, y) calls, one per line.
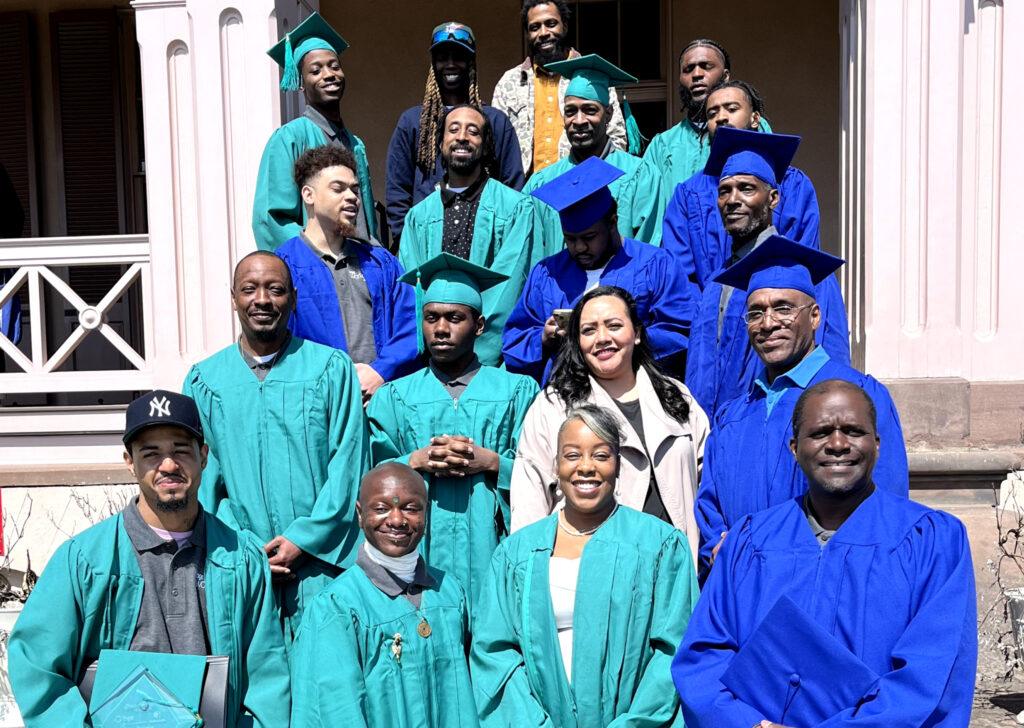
point(161, 407)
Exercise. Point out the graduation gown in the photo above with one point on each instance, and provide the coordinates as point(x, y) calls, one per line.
point(317, 317)
point(89, 598)
point(286, 455)
point(891, 593)
point(277, 211)
point(748, 466)
point(469, 515)
point(694, 234)
point(648, 273)
point(345, 671)
point(720, 368)
point(636, 195)
point(503, 240)
point(635, 592)
point(408, 183)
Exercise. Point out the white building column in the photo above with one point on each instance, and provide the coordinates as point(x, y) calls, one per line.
point(210, 102)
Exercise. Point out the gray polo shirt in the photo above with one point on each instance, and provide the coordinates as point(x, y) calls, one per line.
point(262, 368)
point(354, 301)
point(391, 584)
point(457, 385)
point(172, 617)
point(821, 534)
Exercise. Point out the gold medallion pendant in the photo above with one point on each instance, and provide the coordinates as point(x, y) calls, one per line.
point(423, 628)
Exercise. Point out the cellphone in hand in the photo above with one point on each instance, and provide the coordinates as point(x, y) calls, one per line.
point(561, 316)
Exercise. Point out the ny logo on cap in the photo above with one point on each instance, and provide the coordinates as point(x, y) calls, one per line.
point(160, 407)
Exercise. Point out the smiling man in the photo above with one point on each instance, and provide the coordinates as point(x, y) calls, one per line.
point(386, 643)
point(747, 464)
point(309, 59)
point(595, 254)
point(532, 95)
point(163, 575)
point(284, 420)
point(414, 166)
point(475, 217)
point(457, 422)
point(349, 295)
point(846, 605)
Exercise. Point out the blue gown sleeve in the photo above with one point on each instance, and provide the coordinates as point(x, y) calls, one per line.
point(798, 217)
point(277, 213)
point(668, 332)
point(510, 156)
point(330, 532)
point(497, 666)
point(676, 233)
point(401, 175)
point(675, 594)
point(708, 509)
point(834, 332)
point(398, 355)
point(522, 346)
point(710, 642)
point(891, 472)
point(935, 659)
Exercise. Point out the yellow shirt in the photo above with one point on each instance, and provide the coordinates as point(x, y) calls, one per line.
point(547, 121)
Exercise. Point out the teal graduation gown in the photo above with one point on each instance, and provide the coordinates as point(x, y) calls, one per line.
point(346, 673)
point(634, 597)
point(637, 195)
point(286, 455)
point(278, 214)
point(88, 599)
point(503, 240)
point(469, 515)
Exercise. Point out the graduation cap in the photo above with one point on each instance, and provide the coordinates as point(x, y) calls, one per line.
point(590, 76)
point(580, 195)
point(779, 262)
point(795, 672)
point(740, 151)
point(147, 688)
point(312, 34)
point(447, 278)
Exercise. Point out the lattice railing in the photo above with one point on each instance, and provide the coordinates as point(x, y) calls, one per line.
point(39, 261)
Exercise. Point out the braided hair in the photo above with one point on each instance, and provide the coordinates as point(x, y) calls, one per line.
point(755, 98)
point(708, 43)
point(430, 116)
point(570, 376)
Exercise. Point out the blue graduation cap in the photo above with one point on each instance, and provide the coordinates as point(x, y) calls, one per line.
point(580, 195)
point(779, 262)
point(795, 672)
point(590, 76)
point(740, 151)
point(312, 34)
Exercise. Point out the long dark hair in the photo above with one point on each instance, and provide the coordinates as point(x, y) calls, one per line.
point(570, 376)
point(487, 153)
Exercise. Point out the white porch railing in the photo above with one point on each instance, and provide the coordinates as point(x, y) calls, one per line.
point(33, 260)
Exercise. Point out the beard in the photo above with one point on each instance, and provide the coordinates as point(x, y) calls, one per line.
point(462, 165)
point(693, 108)
point(347, 229)
point(174, 506)
point(559, 53)
point(755, 226)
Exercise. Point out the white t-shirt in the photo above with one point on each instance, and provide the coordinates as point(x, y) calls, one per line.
point(562, 577)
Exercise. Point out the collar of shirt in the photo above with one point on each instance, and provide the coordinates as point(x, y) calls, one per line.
point(608, 147)
point(391, 584)
point(254, 363)
point(144, 538)
point(463, 378)
point(349, 250)
point(334, 132)
point(799, 376)
point(821, 533)
point(748, 246)
point(469, 194)
point(527, 64)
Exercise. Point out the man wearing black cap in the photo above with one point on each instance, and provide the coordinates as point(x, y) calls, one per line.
point(414, 166)
point(160, 576)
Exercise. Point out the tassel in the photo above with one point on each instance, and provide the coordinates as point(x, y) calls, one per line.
point(636, 140)
point(290, 77)
point(419, 313)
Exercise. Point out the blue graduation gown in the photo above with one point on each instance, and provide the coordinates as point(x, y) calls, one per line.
point(720, 369)
point(693, 232)
point(408, 183)
point(894, 586)
point(647, 272)
point(318, 318)
point(748, 466)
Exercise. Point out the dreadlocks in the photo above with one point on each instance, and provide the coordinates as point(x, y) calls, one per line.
point(430, 116)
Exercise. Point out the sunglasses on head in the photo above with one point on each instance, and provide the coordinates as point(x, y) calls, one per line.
point(449, 33)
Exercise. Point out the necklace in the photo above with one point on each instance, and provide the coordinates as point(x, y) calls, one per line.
point(590, 531)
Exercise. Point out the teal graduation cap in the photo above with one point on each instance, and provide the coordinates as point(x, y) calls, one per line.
point(447, 278)
point(580, 195)
point(590, 76)
point(741, 151)
point(312, 34)
point(779, 262)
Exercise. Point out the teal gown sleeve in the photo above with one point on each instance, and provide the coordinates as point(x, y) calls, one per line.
point(267, 695)
point(277, 213)
point(42, 654)
point(328, 685)
point(525, 392)
point(641, 207)
point(385, 416)
point(675, 594)
point(213, 492)
point(497, 666)
point(330, 532)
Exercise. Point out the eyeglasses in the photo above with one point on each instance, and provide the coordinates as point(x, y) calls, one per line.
point(454, 32)
point(783, 314)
